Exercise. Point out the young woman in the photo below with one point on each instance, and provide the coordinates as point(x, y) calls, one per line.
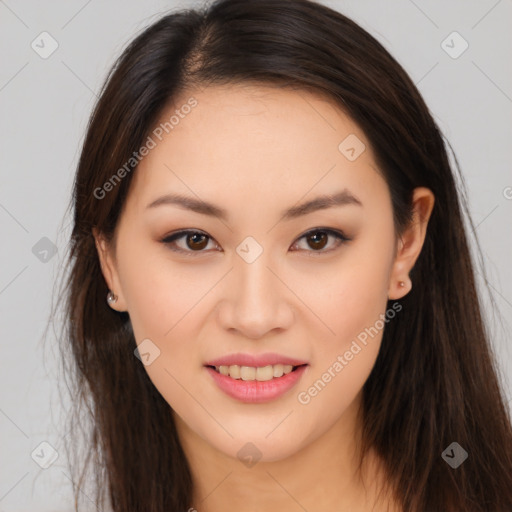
point(271, 303)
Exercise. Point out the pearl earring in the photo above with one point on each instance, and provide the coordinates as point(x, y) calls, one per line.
point(111, 297)
point(401, 283)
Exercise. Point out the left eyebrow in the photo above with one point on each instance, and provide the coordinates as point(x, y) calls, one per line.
point(341, 198)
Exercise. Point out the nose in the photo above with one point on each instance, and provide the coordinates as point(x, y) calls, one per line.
point(256, 299)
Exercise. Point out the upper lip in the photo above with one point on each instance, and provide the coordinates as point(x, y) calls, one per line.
point(260, 360)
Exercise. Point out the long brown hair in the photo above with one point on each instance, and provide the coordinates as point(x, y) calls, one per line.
point(435, 380)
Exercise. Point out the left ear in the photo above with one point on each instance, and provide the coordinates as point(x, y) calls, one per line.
point(411, 243)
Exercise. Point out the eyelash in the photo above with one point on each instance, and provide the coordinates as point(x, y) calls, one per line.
point(170, 239)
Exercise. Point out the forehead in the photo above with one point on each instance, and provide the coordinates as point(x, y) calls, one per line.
point(255, 141)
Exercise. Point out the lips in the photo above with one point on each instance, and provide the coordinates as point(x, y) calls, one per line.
point(256, 378)
point(254, 391)
point(255, 361)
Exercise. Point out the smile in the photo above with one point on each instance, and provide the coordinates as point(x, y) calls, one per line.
point(261, 373)
point(256, 384)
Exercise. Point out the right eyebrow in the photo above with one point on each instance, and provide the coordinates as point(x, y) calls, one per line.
point(341, 198)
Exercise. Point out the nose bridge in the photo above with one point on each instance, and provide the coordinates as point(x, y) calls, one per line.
point(256, 285)
point(255, 304)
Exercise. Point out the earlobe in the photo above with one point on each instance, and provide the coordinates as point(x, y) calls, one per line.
point(399, 289)
point(410, 244)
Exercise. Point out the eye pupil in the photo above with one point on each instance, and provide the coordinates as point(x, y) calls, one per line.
point(318, 244)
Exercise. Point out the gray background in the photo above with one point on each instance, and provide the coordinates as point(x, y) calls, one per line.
point(45, 105)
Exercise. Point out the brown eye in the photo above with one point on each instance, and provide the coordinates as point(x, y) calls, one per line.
point(317, 239)
point(195, 241)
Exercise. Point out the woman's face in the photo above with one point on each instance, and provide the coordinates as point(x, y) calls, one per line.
point(257, 282)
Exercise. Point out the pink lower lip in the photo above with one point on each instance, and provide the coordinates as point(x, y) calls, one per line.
point(252, 391)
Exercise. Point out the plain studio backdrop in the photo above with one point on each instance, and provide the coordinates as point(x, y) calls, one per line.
point(55, 56)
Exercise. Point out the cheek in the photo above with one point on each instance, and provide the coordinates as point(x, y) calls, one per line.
point(353, 297)
point(166, 304)
point(354, 309)
point(160, 294)
point(342, 362)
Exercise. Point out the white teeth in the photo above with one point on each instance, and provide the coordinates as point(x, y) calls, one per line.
point(232, 371)
point(251, 373)
point(247, 373)
point(265, 373)
point(278, 370)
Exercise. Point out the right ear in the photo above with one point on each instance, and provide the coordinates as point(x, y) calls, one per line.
point(109, 269)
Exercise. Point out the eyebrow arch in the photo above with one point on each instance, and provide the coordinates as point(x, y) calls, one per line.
point(341, 198)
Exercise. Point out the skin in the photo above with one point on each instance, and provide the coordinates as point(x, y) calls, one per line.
point(256, 150)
